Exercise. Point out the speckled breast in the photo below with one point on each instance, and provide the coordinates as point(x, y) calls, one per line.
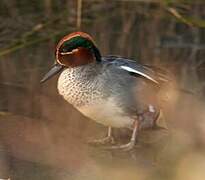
point(79, 86)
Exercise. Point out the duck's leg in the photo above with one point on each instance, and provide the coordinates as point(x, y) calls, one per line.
point(108, 139)
point(131, 144)
point(156, 119)
point(155, 123)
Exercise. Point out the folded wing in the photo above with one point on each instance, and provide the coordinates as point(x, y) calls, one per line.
point(151, 73)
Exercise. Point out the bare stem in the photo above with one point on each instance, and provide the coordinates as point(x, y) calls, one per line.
point(79, 13)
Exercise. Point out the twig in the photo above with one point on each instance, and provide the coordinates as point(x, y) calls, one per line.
point(176, 14)
point(79, 14)
point(26, 44)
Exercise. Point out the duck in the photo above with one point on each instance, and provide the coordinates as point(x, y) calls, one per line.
point(114, 91)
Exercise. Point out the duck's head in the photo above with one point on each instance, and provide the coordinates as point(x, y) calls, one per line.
point(75, 49)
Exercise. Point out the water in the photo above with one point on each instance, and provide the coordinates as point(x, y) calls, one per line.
point(42, 137)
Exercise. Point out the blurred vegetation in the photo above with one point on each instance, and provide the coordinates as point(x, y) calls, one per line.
point(39, 132)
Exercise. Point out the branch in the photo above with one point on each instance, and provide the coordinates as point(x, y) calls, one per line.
point(176, 14)
point(79, 13)
point(26, 44)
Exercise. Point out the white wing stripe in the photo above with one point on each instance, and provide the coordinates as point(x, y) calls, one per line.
point(138, 72)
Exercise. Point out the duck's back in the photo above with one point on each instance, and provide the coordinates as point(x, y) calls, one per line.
point(108, 94)
point(134, 93)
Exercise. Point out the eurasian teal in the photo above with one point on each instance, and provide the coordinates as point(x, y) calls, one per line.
point(111, 90)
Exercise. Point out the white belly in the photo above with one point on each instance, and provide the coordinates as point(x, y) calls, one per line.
point(107, 113)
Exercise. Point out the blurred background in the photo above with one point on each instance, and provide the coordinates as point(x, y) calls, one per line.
point(42, 137)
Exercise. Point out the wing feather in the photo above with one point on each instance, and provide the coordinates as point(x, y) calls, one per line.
point(154, 74)
point(129, 69)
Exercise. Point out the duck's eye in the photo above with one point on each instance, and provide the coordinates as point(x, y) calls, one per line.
point(66, 47)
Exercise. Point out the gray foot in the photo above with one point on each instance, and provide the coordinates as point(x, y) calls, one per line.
point(103, 141)
point(124, 147)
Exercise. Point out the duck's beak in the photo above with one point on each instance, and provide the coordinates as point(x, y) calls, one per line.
point(56, 68)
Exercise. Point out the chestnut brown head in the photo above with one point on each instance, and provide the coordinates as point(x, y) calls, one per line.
point(75, 49)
